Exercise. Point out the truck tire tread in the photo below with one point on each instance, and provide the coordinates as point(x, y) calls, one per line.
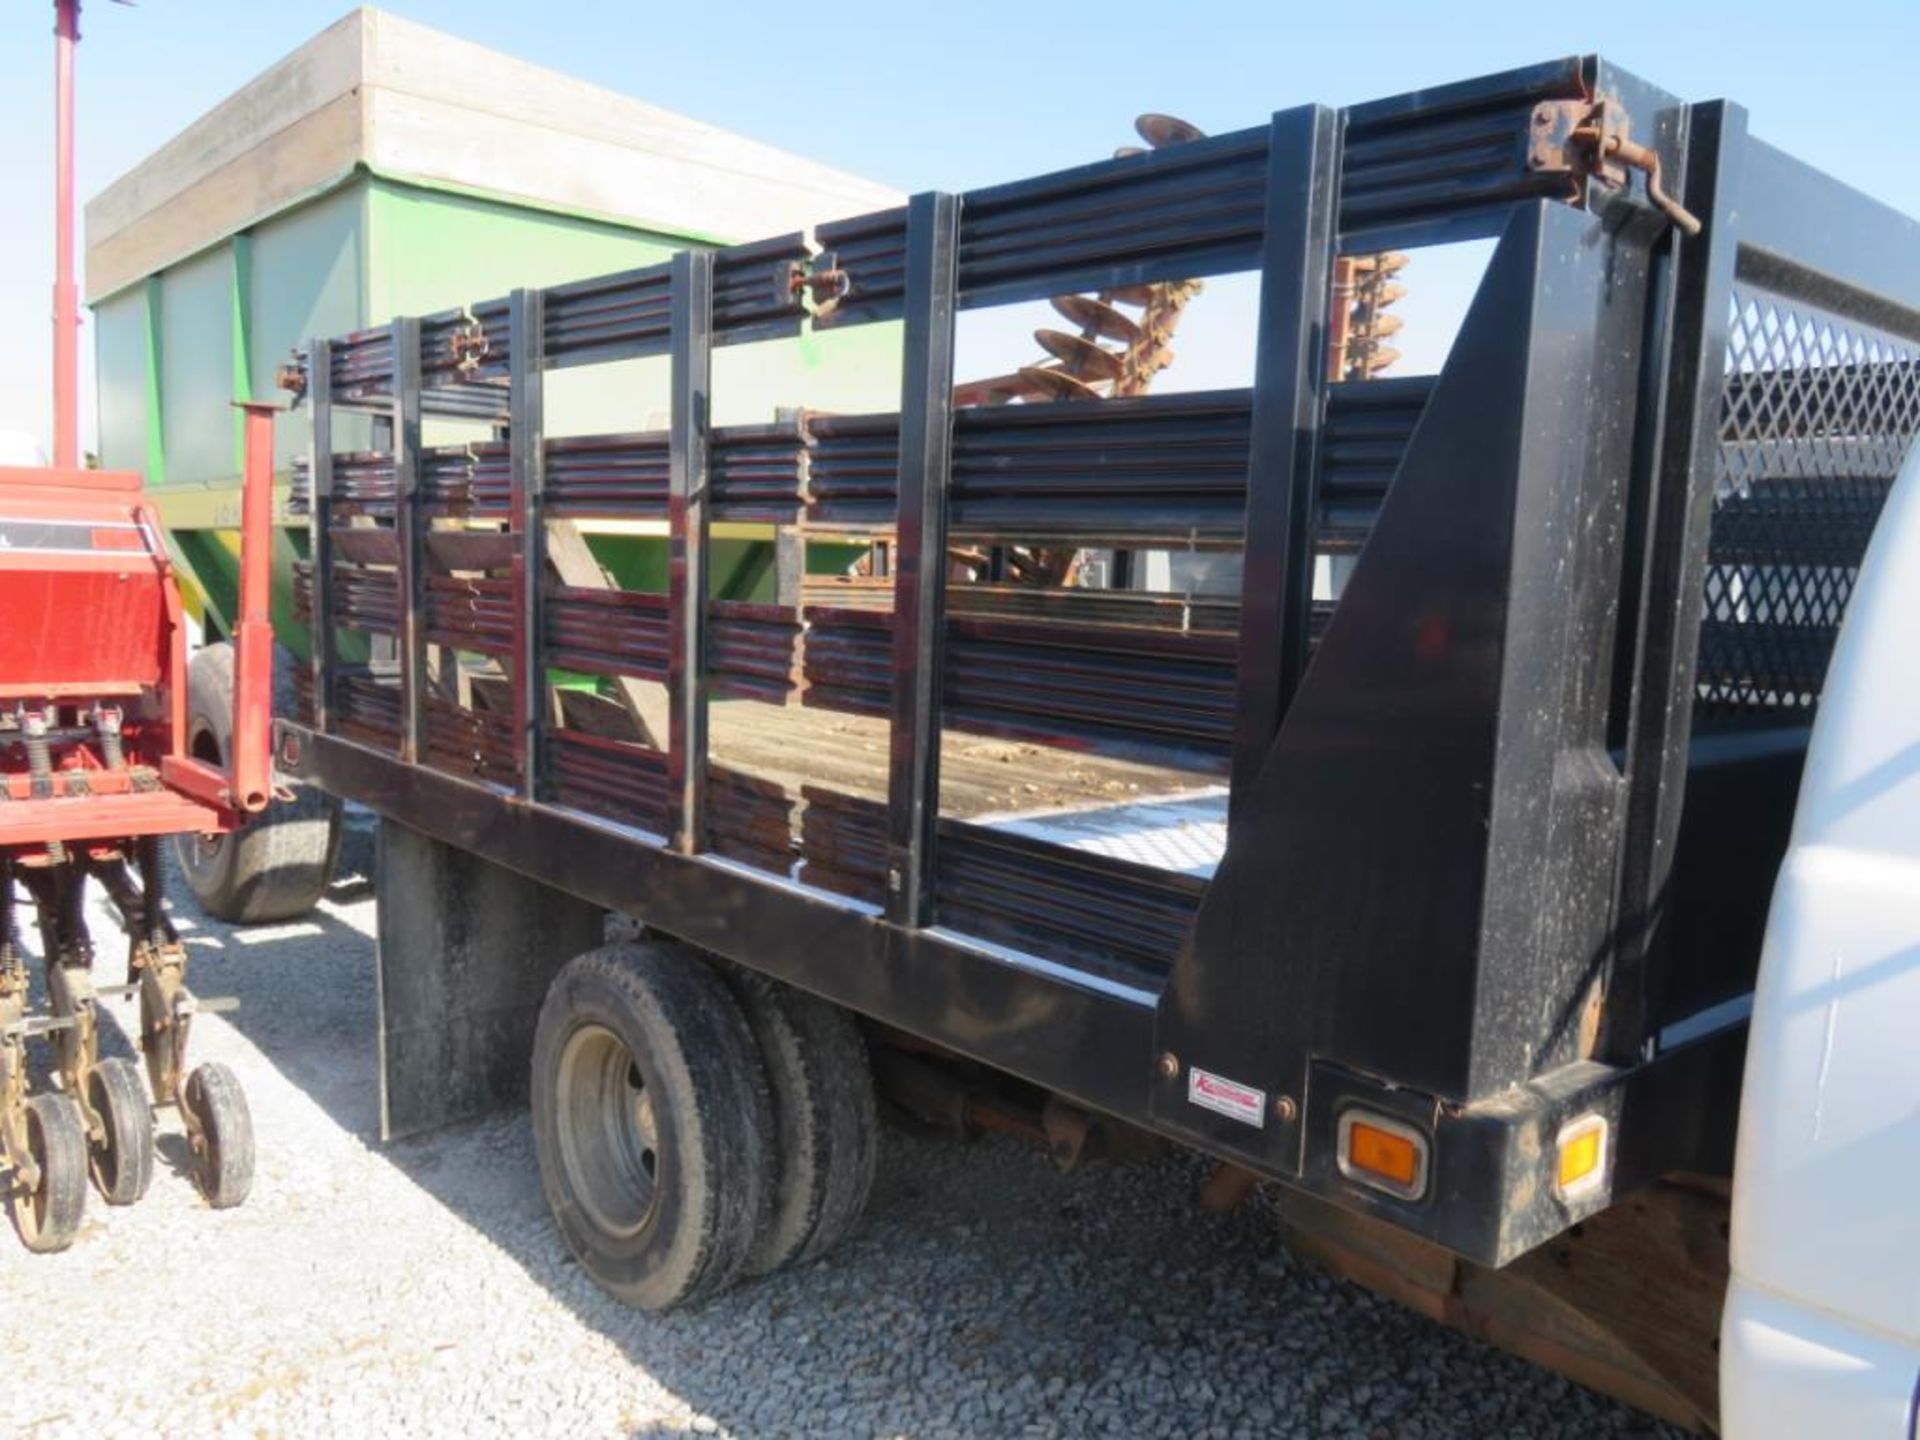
point(281, 863)
point(825, 1123)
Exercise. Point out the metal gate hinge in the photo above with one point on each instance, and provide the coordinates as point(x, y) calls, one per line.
point(468, 345)
point(1588, 141)
point(820, 280)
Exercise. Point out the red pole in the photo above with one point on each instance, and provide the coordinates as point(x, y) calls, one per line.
point(251, 779)
point(66, 298)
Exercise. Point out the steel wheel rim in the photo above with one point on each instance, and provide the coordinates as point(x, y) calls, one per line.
point(609, 1140)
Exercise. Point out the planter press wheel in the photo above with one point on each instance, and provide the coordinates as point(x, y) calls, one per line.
point(121, 1160)
point(49, 1214)
point(220, 1130)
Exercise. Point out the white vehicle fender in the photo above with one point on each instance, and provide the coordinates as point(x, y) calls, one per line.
point(1821, 1335)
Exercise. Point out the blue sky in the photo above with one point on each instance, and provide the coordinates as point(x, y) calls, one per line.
point(922, 96)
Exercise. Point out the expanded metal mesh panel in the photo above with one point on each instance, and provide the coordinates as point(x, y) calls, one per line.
point(1818, 415)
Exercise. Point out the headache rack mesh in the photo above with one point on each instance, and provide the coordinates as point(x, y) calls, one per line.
point(1818, 414)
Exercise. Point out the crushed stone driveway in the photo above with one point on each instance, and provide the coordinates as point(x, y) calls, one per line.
point(419, 1288)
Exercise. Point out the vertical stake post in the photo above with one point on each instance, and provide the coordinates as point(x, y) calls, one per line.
point(920, 569)
point(409, 525)
point(527, 477)
point(1673, 585)
point(1276, 591)
point(689, 419)
point(321, 641)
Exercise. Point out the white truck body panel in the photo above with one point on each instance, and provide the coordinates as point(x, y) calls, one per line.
point(1821, 1335)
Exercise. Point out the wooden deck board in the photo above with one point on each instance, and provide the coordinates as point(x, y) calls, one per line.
point(795, 745)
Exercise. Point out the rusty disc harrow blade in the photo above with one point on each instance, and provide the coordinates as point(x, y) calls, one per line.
point(1057, 384)
point(1162, 131)
point(1082, 358)
point(1098, 317)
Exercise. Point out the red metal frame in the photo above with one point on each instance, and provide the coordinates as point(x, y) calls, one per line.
point(110, 626)
point(93, 613)
point(121, 638)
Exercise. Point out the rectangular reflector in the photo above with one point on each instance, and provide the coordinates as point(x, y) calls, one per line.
point(1383, 1153)
point(1582, 1150)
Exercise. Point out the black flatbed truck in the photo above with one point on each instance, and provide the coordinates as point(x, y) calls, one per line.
point(1502, 816)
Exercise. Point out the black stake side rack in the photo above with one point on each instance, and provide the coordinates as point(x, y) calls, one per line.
point(1503, 816)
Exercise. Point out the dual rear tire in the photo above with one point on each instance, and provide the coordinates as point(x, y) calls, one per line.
point(824, 1120)
point(693, 1128)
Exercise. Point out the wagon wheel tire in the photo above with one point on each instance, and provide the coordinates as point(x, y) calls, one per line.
point(48, 1216)
point(221, 1126)
point(825, 1121)
point(652, 1124)
point(279, 864)
point(121, 1159)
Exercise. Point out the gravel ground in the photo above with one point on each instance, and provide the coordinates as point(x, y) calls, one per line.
point(419, 1289)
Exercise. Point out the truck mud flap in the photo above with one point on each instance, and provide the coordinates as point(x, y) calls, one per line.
point(465, 951)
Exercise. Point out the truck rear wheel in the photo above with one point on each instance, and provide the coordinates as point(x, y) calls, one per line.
point(651, 1122)
point(824, 1119)
point(280, 864)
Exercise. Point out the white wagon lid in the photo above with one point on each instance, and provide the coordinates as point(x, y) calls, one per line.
point(378, 92)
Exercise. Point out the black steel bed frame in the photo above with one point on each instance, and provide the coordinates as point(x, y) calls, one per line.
point(1502, 818)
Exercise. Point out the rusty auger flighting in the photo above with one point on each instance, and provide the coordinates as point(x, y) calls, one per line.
point(1121, 339)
